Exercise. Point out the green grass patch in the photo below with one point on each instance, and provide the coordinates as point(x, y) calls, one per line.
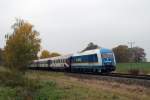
point(61, 87)
point(125, 67)
point(37, 85)
point(51, 91)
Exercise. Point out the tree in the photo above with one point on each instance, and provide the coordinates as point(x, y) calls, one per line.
point(54, 54)
point(1, 56)
point(121, 53)
point(22, 45)
point(90, 46)
point(125, 54)
point(138, 54)
point(45, 54)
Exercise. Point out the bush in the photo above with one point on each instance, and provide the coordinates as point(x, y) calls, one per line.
point(134, 71)
point(24, 87)
point(137, 72)
point(144, 72)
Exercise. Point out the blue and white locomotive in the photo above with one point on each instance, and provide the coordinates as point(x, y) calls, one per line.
point(97, 60)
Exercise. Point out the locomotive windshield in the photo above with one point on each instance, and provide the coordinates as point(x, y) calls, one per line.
point(107, 55)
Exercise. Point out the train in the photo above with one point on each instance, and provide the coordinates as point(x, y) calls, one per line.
point(99, 60)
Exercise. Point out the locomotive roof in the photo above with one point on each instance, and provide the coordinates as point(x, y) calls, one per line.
point(88, 52)
point(94, 51)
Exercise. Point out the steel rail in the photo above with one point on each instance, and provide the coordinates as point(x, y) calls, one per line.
point(121, 75)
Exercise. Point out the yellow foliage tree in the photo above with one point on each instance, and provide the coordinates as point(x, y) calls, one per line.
point(22, 45)
point(45, 54)
point(54, 54)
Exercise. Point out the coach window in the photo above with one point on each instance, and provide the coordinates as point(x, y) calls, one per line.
point(63, 60)
point(75, 60)
point(84, 59)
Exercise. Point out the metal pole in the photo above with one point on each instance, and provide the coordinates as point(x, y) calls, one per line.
point(131, 51)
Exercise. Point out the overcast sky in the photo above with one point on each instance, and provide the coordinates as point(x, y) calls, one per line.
point(67, 26)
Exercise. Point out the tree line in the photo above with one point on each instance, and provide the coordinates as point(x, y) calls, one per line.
point(125, 54)
point(47, 54)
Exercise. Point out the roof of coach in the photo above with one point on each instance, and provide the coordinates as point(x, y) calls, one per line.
point(54, 58)
point(44, 59)
point(61, 57)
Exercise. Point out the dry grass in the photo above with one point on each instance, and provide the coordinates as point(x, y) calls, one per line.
point(95, 89)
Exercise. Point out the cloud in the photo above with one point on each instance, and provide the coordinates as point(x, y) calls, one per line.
point(68, 25)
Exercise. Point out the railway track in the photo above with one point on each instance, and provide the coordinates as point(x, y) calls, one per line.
point(129, 79)
point(142, 80)
point(121, 75)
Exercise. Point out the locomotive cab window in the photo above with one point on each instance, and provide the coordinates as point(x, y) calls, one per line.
point(107, 55)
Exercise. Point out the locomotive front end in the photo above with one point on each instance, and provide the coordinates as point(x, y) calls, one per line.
point(108, 60)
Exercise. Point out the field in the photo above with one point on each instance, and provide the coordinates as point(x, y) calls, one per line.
point(61, 86)
point(125, 67)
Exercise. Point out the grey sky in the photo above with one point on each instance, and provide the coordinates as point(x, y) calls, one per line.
point(67, 26)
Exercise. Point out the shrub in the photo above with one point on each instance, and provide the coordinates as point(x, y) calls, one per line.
point(144, 72)
point(24, 87)
point(134, 71)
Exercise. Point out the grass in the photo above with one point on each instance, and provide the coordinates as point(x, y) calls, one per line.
point(144, 68)
point(64, 87)
point(61, 86)
point(16, 86)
